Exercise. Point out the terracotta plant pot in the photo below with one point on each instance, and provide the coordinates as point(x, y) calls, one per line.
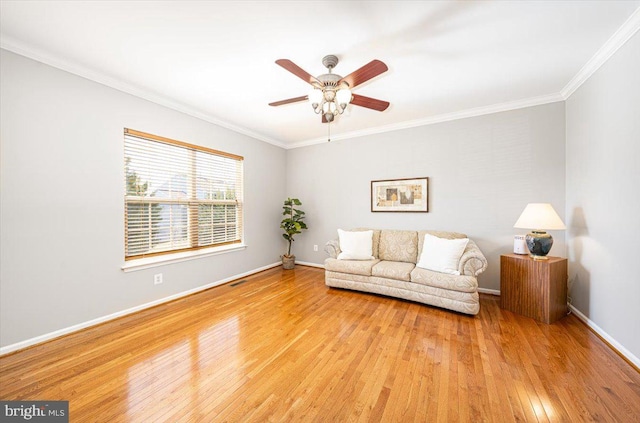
point(288, 262)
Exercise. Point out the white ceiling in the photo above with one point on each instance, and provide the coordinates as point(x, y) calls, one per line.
point(215, 59)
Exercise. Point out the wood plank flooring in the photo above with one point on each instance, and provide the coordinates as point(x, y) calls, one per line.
point(284, 347)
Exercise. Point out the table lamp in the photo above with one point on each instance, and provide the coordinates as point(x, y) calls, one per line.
point(539, 217)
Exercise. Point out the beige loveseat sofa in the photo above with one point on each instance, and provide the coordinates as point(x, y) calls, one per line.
point(393, 271)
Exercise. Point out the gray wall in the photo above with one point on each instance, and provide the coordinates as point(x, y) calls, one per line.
point(603, 196)
point(62, 188)
point(61, 197)
point(482, 173)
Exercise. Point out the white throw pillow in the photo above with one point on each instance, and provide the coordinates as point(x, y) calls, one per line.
point(442, 255)
point(356, 245)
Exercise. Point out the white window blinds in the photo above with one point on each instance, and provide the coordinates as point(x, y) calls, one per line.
point(179, 196)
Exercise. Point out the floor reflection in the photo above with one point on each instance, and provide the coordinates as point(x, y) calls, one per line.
point(157, 385)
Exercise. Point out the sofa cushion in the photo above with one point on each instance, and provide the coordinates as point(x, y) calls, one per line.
point(393, 270)
point(356, 267)
point(442, 255)
point(398, 246)
point(356, 245)
point(460, 283)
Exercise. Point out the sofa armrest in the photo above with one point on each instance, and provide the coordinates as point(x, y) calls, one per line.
point(472, 262)
point(332, 248)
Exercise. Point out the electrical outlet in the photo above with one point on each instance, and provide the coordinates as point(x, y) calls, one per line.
point(157, 279)
point(315, 248)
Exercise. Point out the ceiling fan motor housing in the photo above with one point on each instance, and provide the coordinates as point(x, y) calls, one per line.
point(330, 85)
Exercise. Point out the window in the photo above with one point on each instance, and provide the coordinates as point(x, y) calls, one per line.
point(179, 196)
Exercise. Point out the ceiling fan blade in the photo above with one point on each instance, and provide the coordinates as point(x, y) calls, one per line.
point(365, 73)
point(289, 100)
point(369, 103)
point(298, 71)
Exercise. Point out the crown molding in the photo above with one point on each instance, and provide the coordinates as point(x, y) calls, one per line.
point(613, 44)
point(446, 117)
point(12, 45)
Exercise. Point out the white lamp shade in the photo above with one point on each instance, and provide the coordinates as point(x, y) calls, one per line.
point(539, 216)
point(315, 96)
point(344, 96)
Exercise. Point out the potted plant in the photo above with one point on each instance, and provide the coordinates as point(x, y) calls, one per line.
point(292, 224)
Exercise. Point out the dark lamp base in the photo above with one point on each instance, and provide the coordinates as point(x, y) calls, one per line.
point(540, 258)
point(539, 244)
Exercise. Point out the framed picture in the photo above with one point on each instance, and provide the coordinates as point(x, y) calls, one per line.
point(400, 195)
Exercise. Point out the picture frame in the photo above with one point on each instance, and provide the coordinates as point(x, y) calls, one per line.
point(400, 195)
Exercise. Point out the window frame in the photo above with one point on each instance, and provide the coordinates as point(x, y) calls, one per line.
point(192, 203)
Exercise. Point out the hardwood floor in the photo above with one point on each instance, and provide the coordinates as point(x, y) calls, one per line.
point(281, 346)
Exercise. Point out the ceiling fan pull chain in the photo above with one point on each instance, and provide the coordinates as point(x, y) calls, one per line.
point(329, 132)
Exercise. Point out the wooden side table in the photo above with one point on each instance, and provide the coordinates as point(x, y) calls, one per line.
point(534, 288)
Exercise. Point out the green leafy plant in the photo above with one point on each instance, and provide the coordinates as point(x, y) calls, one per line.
point(293, 222)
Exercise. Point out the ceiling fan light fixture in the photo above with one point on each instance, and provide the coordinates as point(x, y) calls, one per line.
point(330, 107)
point(331, 93)
point(344, 97)
point(315, 96)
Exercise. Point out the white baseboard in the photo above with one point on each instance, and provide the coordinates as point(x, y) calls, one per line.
point(489, 291)
point(615, 344)
point(58, 333)
point(307, 263)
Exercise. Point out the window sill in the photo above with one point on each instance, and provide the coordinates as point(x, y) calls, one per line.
point(146, 263)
